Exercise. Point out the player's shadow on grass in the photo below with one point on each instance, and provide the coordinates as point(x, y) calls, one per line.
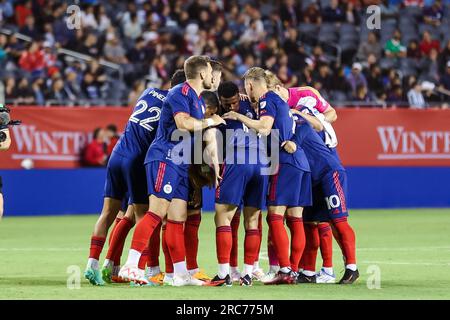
point(32, 282)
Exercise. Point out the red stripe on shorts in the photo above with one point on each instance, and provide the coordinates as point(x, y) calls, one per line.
point(337, 183)
point(273, 184)
point(160, 176)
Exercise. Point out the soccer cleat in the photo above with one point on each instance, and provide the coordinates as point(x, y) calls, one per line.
point(186, 280)
point(246, 281)
point(258, 274)
point(283, 278)
point(107, 274)
point(303, 278)
point(235, 275)
point(324, 277)
point(159, 278)
point(94, 276)
point(116, 279)
point(219, 282)
point(201, 275)
point(269, 276)
point(349, 277)
point(131, 273)
point(168, 280)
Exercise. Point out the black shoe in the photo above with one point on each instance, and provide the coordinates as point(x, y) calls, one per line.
point(303, 278)
point(349, 277)
point(218, 282)
point(246, 281)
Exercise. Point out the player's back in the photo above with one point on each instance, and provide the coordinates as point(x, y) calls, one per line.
point(272, 105)
point(306, 97)
point(320, 157)
point(142, 125)
point(180, 99)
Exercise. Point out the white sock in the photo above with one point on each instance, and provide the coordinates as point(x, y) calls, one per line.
point(285, 269)
point(168, 275)
point(308, 273)
point(193, 271)
point(330, 270)
point(351, 267)
point(108, 263)
point(248, 269)
point(180, 268)
point(224, 270)
point(92, 263)
point(274, 268)
point(154, 271)
point(234, 269)
point(133, 258)
point(256, 265)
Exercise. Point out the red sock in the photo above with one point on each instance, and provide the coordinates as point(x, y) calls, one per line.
point(116, 222)
point(167, 258)
point(191, 240)
point(295, 225)
point(96, 247)
point(117, 240)
point(326, 244)
point(235, 236)
point(251, 245)
point(273, 259)
point(279, 238)
point(224, 241)
point(347, 239)
point(175, 240)
point(144, 231)
point(260, 230)
point(154, 246)
point(308, 261)
point(143, 260)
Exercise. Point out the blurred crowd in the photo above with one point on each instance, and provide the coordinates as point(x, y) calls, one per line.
point(326, 44)
point(97, 152)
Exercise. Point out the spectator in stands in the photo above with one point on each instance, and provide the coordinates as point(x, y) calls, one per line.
point(135, 93)
point(6, 9)
point(433, 15)
point(334, 13)
point(356, 78)
point(370, 46)
point(340, 86)
point(39, 96)
point(415, 96)
point(49, 34)
point(132, 28)
point(90, 88)
point(89, 46)
point(324, 77)
point(286, 77)
point(88, 18)
point(29, 29)
point(23, 11)
point(395, 95)
point(72, 86)
point(114, 50)
point(10, 89)
point(362, 94)
point(104, 22)
point(375, 82)
point(24, 94)
point(94, 154)
point(445, 80)
point(32, 60)
point(394, 48)
point(430, 67)
point(111, 138)
point(289, 13)
point(428, 43)
point(312, 14)
point(444, 57)
point(413, 50)
point(57, 95)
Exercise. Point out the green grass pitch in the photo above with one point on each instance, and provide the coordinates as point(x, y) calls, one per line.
point(411, 248)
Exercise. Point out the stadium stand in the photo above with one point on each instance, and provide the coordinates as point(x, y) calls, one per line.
point(120, 46)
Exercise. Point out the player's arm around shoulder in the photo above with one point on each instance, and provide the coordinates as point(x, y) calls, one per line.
point(7, 143)
point(330, 114)
point(315, 123)
point(185, 122)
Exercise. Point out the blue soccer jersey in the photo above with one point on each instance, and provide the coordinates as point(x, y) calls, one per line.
point(271, 105)
point(142, 125)
point(321, 159)
point(180, 99)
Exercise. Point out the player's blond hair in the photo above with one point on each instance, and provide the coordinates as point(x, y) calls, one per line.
point(255, 74)
point(194, 65)
point(272, 80)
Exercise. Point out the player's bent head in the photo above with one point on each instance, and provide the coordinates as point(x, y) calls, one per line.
point(255, 83)
point(178, 77)
point(272, 80)
point(216, 74)
point(197, 66)
point(212, 103)
point(229, 96)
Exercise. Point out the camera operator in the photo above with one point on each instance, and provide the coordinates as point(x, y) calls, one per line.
point(5, 141)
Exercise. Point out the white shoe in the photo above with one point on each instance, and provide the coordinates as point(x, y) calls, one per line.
point(235, 275)
point(168, 280)
point(323, 277)
point(269, 276)
point(132, 273)
point(185, 280)
point(258, 274)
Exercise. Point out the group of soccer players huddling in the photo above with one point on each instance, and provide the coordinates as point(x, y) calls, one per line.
point(272, 148)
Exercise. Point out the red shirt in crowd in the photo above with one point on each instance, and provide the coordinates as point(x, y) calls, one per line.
point(111, 145)
point(426, 46)
point(94, 154)
point(32, 61)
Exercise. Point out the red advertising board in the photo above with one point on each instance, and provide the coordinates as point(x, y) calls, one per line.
point(53, 137)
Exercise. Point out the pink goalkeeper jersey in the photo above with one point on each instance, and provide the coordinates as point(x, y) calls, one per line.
point(308, 97)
